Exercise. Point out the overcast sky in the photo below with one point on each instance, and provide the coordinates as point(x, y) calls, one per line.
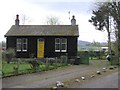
point(37, 11)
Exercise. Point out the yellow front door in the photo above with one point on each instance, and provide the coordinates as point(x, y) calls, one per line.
point(40, 51)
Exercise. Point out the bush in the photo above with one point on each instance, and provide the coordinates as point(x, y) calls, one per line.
point(84, 57)
point(15, 68)
point(35, 65)
point(4, 55)
point(92, 54)
point(64, 59)
point(9, 54)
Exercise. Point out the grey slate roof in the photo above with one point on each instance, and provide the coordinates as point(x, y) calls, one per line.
point(43, 30)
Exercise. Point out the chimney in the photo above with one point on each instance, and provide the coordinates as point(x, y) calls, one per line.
point(73, 21)
point(17, 20)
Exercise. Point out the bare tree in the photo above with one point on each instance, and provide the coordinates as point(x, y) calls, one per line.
point(25, 19)
point(52, 20)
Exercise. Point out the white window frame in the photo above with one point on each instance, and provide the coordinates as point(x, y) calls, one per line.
point(18, 43)
point(60, 44)
point(56, 43)
point(24, 44)
point(64, 43)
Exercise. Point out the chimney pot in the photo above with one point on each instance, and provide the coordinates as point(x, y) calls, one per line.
point(17, 16)
point(73, 21)
point(17, 20)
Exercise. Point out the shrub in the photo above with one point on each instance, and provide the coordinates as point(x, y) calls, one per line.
point(9, 54)
point(15, 68)
point(32, 55)
point(35, 65)
point(4, 55)
point(64, 59)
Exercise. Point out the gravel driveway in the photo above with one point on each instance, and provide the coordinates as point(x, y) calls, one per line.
point(109, 81)
point(43, 79)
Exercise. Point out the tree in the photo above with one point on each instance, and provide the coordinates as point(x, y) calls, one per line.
point(101, 16)
point(3, 44)
point(100, 20)
point(25, 19)
point(53, 20)
point(115, 13)
point(96, 44)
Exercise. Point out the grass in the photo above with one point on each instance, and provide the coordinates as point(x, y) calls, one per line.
point(8, 68)
point(24, 66)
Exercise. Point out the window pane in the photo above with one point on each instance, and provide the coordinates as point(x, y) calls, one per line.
point(57, 47)
point(24, 45)
point(18, 44)
point(57, 40)
point(24, 41)
point(64, 46)
point(41, 40)
point(18, 47)
point(63, 40)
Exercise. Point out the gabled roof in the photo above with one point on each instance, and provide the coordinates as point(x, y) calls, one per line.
point(43, 30)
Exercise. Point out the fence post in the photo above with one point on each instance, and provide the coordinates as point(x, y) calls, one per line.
point(56, 62)
point(16, 67)
point(47, 63)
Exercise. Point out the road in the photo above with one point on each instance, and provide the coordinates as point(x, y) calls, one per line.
point(109, 81)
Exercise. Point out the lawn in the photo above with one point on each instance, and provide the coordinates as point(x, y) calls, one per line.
point(8, 68)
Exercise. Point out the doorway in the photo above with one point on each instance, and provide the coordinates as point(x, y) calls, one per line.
point(40, 48)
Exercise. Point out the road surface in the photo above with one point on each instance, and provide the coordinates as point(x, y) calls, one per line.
point(109, 81)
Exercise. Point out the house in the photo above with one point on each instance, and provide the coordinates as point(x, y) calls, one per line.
point(43, 41)
point(105, 49)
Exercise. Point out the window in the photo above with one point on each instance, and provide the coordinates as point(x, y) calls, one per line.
point(57, 45)
point(63, 45)
point(21, 44)
point(24, 44)
point(60, 45)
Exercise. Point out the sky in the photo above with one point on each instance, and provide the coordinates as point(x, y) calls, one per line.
point(37, 11)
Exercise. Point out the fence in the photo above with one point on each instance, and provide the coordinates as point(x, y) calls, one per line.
point(19, 66)
point(95, 55)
